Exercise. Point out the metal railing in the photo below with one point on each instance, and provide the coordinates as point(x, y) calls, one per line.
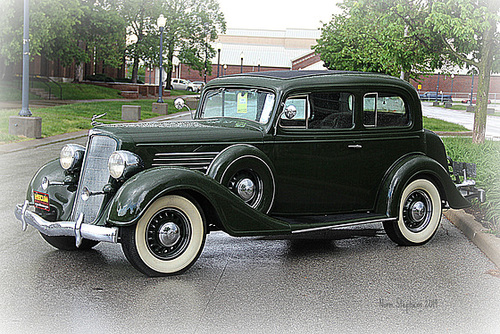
point(46, 84)
point(460, 96)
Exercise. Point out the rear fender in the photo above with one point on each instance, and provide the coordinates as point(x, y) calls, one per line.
point(408, 169)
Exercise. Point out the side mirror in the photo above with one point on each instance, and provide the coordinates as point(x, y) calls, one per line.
point(290, 111)
point(179, 103)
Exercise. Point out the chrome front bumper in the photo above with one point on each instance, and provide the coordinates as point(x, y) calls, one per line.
point(77, 229)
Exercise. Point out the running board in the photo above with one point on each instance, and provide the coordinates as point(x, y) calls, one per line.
point(331, 227)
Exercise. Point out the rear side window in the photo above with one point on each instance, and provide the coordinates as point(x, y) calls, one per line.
point(384, 110)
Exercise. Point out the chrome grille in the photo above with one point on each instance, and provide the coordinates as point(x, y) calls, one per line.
point(192, 160)
point(94, 177)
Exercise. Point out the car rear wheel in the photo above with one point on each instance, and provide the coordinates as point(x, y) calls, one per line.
point(168, 238)
point(419, 214)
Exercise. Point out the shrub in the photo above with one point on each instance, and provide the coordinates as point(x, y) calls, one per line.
point(99, 77)
point(487, 158)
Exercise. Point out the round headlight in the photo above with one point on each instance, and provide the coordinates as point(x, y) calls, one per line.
point(123, 164)
point(71, 156)
point(116, 165)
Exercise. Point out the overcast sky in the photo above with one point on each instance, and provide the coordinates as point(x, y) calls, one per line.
point(277, 14)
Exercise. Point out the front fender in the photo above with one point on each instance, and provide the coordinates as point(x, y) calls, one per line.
point(237, 218)
point(408, 169)
point(61, 195)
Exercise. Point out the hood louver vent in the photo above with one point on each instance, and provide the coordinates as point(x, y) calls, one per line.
point(192, 160)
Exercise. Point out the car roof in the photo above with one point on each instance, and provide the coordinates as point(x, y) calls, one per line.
point(284, 80)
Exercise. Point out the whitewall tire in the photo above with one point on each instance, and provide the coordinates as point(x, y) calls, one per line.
point(419, 214)
point(167, 239)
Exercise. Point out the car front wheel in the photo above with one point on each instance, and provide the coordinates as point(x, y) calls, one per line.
point(419, 214)
point(168, 238)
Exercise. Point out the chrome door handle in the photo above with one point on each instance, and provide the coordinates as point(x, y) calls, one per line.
point(355, 146)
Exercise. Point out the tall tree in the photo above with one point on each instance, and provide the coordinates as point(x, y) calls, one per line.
point(414, 37)
point(381, 36)
point(99, 35)
point(64, 30)
point(140, 16)
point(191, 26)
point(469, 31)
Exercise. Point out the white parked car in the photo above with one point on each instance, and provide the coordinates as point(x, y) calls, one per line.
point(183, 84)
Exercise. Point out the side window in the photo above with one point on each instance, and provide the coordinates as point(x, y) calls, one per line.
point(321, 110)
point(384, 110)
point(331, 110)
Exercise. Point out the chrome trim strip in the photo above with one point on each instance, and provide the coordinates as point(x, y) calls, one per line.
point(331, 227)
point(77, 229)
point(177, 165)
point(187, 153)
point(187, 161)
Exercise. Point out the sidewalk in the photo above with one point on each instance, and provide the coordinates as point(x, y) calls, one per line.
point(486, 242)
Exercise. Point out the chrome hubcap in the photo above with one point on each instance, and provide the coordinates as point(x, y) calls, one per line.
point(248, 185)
point(246, 189)
point(417, 211)
point(169, 234)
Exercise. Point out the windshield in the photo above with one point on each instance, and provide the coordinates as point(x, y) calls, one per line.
point(251, 104)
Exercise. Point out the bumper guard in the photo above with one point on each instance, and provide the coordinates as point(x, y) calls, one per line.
point(467, 187)
point(77, 229)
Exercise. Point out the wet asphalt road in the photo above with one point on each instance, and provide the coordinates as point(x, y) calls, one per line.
point(343, 281)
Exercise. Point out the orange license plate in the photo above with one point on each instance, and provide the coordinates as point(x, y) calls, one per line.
point(41, 200)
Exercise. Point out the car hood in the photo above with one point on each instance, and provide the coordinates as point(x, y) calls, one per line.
point(195, 131)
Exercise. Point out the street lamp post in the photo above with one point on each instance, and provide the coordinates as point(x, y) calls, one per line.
point(241, 66)
point(437, 88)
point(25, 111)
point(161, 23)
point(258, 66)
point(24, 124)
point(219, 48)
point(224, 69)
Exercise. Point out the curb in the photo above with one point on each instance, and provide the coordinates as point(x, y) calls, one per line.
point(19, 146)
point(487, 243)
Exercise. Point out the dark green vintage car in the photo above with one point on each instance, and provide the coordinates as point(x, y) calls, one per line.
point(267, 153)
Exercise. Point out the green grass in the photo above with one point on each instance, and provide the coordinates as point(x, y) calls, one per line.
point(76, 117)
point(71, 91)
point(487, 158)
point(10, 92)
point(434, 124)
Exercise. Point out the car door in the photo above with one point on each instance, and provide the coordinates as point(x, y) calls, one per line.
point(389, 133)
point(315, 156)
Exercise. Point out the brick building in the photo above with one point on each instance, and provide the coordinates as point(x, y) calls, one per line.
point(261, 50)
point(459, 85)
point(40, 66)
